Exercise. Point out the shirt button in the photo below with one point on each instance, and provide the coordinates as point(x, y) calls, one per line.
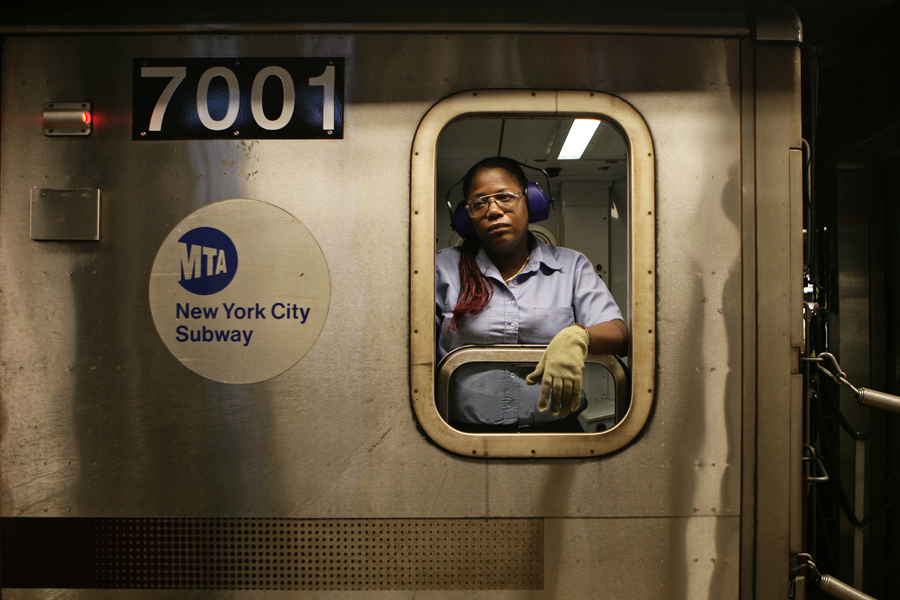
point(513, 302)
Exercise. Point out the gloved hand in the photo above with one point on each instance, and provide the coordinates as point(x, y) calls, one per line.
point(560, 370)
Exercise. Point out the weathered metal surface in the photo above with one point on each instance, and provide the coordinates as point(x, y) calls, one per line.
point(100, 420)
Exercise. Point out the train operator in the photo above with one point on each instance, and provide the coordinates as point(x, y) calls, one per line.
point(505, 286)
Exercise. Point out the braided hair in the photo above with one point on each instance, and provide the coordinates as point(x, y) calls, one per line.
point(475, 288)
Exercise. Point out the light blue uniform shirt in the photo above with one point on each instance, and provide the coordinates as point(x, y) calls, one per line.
point(556, 288)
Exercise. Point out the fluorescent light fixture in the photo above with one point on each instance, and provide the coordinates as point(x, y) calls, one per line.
point(579, 137)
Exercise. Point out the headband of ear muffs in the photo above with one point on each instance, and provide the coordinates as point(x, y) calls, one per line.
point(539, 205)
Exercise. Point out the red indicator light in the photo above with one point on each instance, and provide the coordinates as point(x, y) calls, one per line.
point(68, 118)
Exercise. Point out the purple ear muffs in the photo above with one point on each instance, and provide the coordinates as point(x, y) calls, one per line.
point(539, 205)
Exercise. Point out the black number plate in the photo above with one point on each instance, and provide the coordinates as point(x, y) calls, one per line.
point(236, 98)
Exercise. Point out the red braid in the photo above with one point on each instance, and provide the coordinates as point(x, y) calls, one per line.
point(475, 289)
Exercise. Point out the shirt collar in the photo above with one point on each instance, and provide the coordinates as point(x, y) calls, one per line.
point(540, 253)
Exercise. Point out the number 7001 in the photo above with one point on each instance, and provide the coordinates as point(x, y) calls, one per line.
point(177, 75)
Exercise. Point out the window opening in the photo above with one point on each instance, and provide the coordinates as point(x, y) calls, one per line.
point(591, 209)
point(606, 210)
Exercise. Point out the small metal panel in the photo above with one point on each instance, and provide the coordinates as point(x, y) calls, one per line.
point(65, 215)
point(778, 23)
point(67, 118)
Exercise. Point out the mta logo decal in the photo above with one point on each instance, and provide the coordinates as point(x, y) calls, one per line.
point(209, 261)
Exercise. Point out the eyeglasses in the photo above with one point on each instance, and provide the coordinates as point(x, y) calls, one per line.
point(506, 201)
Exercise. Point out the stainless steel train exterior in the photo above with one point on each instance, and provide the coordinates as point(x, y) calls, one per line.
point(321, 481)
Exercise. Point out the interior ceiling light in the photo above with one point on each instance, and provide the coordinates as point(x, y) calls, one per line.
point(579, 137)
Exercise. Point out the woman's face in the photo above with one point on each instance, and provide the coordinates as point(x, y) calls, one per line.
point(499, 231)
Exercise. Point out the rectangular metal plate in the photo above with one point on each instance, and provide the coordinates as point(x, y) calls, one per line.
point(238, 98)
point(273, 554)
point(67, 118)
point(68, 215)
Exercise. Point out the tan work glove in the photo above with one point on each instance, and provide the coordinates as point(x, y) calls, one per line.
point(560, 370)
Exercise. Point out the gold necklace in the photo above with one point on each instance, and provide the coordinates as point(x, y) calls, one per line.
point(520, 269)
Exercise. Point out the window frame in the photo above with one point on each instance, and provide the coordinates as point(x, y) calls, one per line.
point(641, 279)
point(518, 353)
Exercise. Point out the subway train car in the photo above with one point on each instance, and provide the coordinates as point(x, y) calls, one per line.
point(217, 261)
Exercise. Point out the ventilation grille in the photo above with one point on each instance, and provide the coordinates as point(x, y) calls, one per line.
point(294, 554)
